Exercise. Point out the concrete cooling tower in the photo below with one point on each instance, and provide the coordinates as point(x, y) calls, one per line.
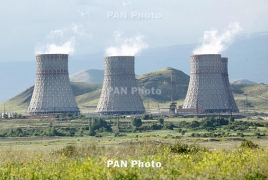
point(120, 93)
point(209, 87)
point(52, 91)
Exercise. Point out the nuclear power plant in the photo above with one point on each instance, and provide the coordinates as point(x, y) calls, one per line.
point(209, 89)
point(120, 93)
point(52, 91)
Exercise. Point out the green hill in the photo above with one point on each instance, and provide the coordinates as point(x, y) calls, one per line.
point(87, 94)
point(88, 75)
point(161, 79)
point(21, 102)
point(253, 97)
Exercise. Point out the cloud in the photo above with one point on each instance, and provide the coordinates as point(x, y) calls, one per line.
point(126, 47)
point(62, 40)
point(55, 33)
point(52, 48)
point(214, 43)
point(79, 29)
point(125, 3)
point(85, 14)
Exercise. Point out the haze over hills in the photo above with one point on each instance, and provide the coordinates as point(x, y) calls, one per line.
point(247, 58)
point(242, 81)
point(88, 75)
point(87, 94)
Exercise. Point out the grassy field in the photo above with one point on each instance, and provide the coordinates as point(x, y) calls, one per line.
point(89, 157)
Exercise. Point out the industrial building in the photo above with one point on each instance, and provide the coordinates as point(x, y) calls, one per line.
point(120, 93)
point(52, 91)
point(209, 89)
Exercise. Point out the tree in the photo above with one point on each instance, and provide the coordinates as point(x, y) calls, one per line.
point(136, 122)
point(161, 120)
point(147, 116)
point(15, 115)
point(231, 119)
point(183, 132)
point(91, 132)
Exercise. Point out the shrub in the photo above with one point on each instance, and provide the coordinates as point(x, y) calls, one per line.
point(161, 120)
point(186, 149)
point(136, 122)
point(249, 144)
point(147, 116)
point(68, 150)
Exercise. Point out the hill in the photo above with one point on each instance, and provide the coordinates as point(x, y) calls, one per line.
point(87, 94)
point(253, 97)
point(248, 52)
point(88, 75)
point(21, 102)
point(161, 79)
point(242, 81)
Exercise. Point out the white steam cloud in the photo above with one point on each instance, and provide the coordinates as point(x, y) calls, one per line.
point(126, 47)
point(214, 43)
point(62, 41)
point(64, 48)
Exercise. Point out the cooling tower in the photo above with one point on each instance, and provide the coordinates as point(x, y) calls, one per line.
point(52, 91)
point(120, 93)
point(209, 87)
point(225, 76)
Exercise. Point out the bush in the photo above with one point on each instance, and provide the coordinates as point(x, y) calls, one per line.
point(136, 122)
point(68, 150)
point(161, 120)
point(147, 116)
point(98, 123)
point(249, 144)
point(186, 149)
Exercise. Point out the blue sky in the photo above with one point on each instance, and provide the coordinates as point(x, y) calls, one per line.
point(27, 25)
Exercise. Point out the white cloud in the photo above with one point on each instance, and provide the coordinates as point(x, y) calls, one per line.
point(55, 33)
point(85, 14)
point(126, 47)
point(53, 48)
point(214, 43)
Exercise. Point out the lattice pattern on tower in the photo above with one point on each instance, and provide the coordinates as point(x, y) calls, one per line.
point(118, 94)
point(209, 86)
point(52, 91)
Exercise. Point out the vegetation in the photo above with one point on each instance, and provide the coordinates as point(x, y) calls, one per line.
point(136, 122)
point(177, 161)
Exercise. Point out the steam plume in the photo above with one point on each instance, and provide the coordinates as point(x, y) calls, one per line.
point(127, 47)
point(65, 48)
point(214, 43)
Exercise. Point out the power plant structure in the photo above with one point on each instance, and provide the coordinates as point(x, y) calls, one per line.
point(209, 89)
point(120, 94)
point(52, 91)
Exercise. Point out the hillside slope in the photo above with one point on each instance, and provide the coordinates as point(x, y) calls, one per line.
point(242, 81)
point(88, 75)
point(87, 94)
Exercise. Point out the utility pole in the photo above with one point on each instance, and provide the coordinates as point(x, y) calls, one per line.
point(118, 122)
point(171, 82)
point(173, 105)
point(246, 103)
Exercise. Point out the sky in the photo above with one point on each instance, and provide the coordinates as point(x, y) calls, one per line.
point(82, 27)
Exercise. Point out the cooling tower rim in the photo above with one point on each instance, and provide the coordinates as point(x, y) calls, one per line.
point(196, 55)
point(37, 55)
point(117, 56)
